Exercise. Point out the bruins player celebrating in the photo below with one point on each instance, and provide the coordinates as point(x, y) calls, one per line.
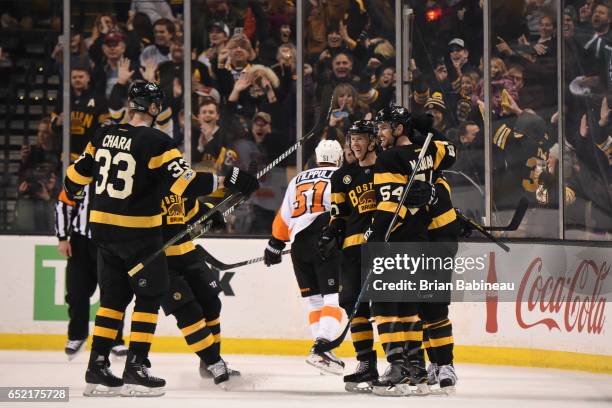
point(303, 214)
point(193, 298)
point(399, 321)
point(395, 126)
point(352, 204)
point(132, 165)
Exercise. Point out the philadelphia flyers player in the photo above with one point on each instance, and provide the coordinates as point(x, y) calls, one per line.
point(303, 214)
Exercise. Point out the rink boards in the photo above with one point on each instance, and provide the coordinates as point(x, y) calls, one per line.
point(263, 312)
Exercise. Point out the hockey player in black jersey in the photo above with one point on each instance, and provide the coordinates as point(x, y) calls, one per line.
point(74, 236)
point(133, 165)
point(392, 171)
point(193, 298)
point(352, 204)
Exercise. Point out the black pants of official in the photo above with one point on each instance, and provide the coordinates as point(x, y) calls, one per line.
point(81, 283)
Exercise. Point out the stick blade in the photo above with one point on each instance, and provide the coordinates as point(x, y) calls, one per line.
point(517, 218)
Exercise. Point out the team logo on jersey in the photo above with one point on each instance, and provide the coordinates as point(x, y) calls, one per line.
point(331, 282)
point(173, 207)
point(347, 179)
point(363, 197)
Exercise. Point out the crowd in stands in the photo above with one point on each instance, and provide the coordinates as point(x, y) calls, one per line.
point(244, 87)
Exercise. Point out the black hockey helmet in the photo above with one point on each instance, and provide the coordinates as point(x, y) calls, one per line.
point(367, 127)
point(142, 94)
point(363, 126)
point(394, 114)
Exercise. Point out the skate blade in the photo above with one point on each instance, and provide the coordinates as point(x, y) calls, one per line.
point(446, 391)
point(99, 390)
point(398, 390)
point(335, 369)
point(135, 390)
point(359, 388)
point(421, 390)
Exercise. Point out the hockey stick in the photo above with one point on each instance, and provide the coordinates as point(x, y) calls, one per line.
point(217, 264)
point(226, 206)
point(473, 224)
point(323, 347)
point(517, 218)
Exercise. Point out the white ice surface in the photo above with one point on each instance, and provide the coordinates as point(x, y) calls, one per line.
point(270, 382)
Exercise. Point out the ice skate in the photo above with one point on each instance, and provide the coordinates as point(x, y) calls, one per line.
point(448, 379)
point(325, 361)
point(73, 347)
point(219, 372)
point(361, 380)
point(100, 380)
point(137, 380)
point(419, 377)
point(432, 374)
point(394, 382)
point(204, 373)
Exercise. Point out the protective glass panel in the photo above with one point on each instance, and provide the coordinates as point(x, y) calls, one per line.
point(524, 106)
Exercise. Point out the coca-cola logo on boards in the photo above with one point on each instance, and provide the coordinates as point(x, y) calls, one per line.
point(574, 303)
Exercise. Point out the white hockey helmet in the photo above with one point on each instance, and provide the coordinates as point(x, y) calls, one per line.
point(329, 151)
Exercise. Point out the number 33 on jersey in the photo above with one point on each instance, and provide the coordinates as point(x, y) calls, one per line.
point(132, 168)
point(308, 196)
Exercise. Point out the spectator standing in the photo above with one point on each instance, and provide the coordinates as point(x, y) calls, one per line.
point(88, 111)
point(158, 52)
point(38, 182)
point(262, 146)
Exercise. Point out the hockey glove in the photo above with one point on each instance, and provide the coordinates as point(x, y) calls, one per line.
point(423, 123)
point(218, 222)
point(241, 181)
point(273, 253)
point(465, 227)
point(421, 194)
point(331, 238)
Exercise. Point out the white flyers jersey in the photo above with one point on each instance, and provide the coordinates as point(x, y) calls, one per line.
point(308, 196)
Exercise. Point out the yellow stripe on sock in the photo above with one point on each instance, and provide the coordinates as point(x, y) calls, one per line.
point(202, 344)
point(193, 328)
point(110, 313)
point(364, 335)
point(442, 341)
point(105, 332)
point(141, 337)
point(144, 317)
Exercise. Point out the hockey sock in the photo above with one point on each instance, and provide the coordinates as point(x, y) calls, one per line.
point(441, 341)
point(413, 335)
point(362, 332)
point(212, 310)
point(390, 332)
point(199, 338)
point(331, 315)
point(144, 322)
point(314, 304)
point(426, 345)
point(106, 328)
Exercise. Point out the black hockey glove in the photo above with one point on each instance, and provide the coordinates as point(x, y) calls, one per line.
point(421, 194)
point(273, 253)
point(423, 123)
point(465, 227)
point(241, 181)
point(218, 222)
point(331, 238)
